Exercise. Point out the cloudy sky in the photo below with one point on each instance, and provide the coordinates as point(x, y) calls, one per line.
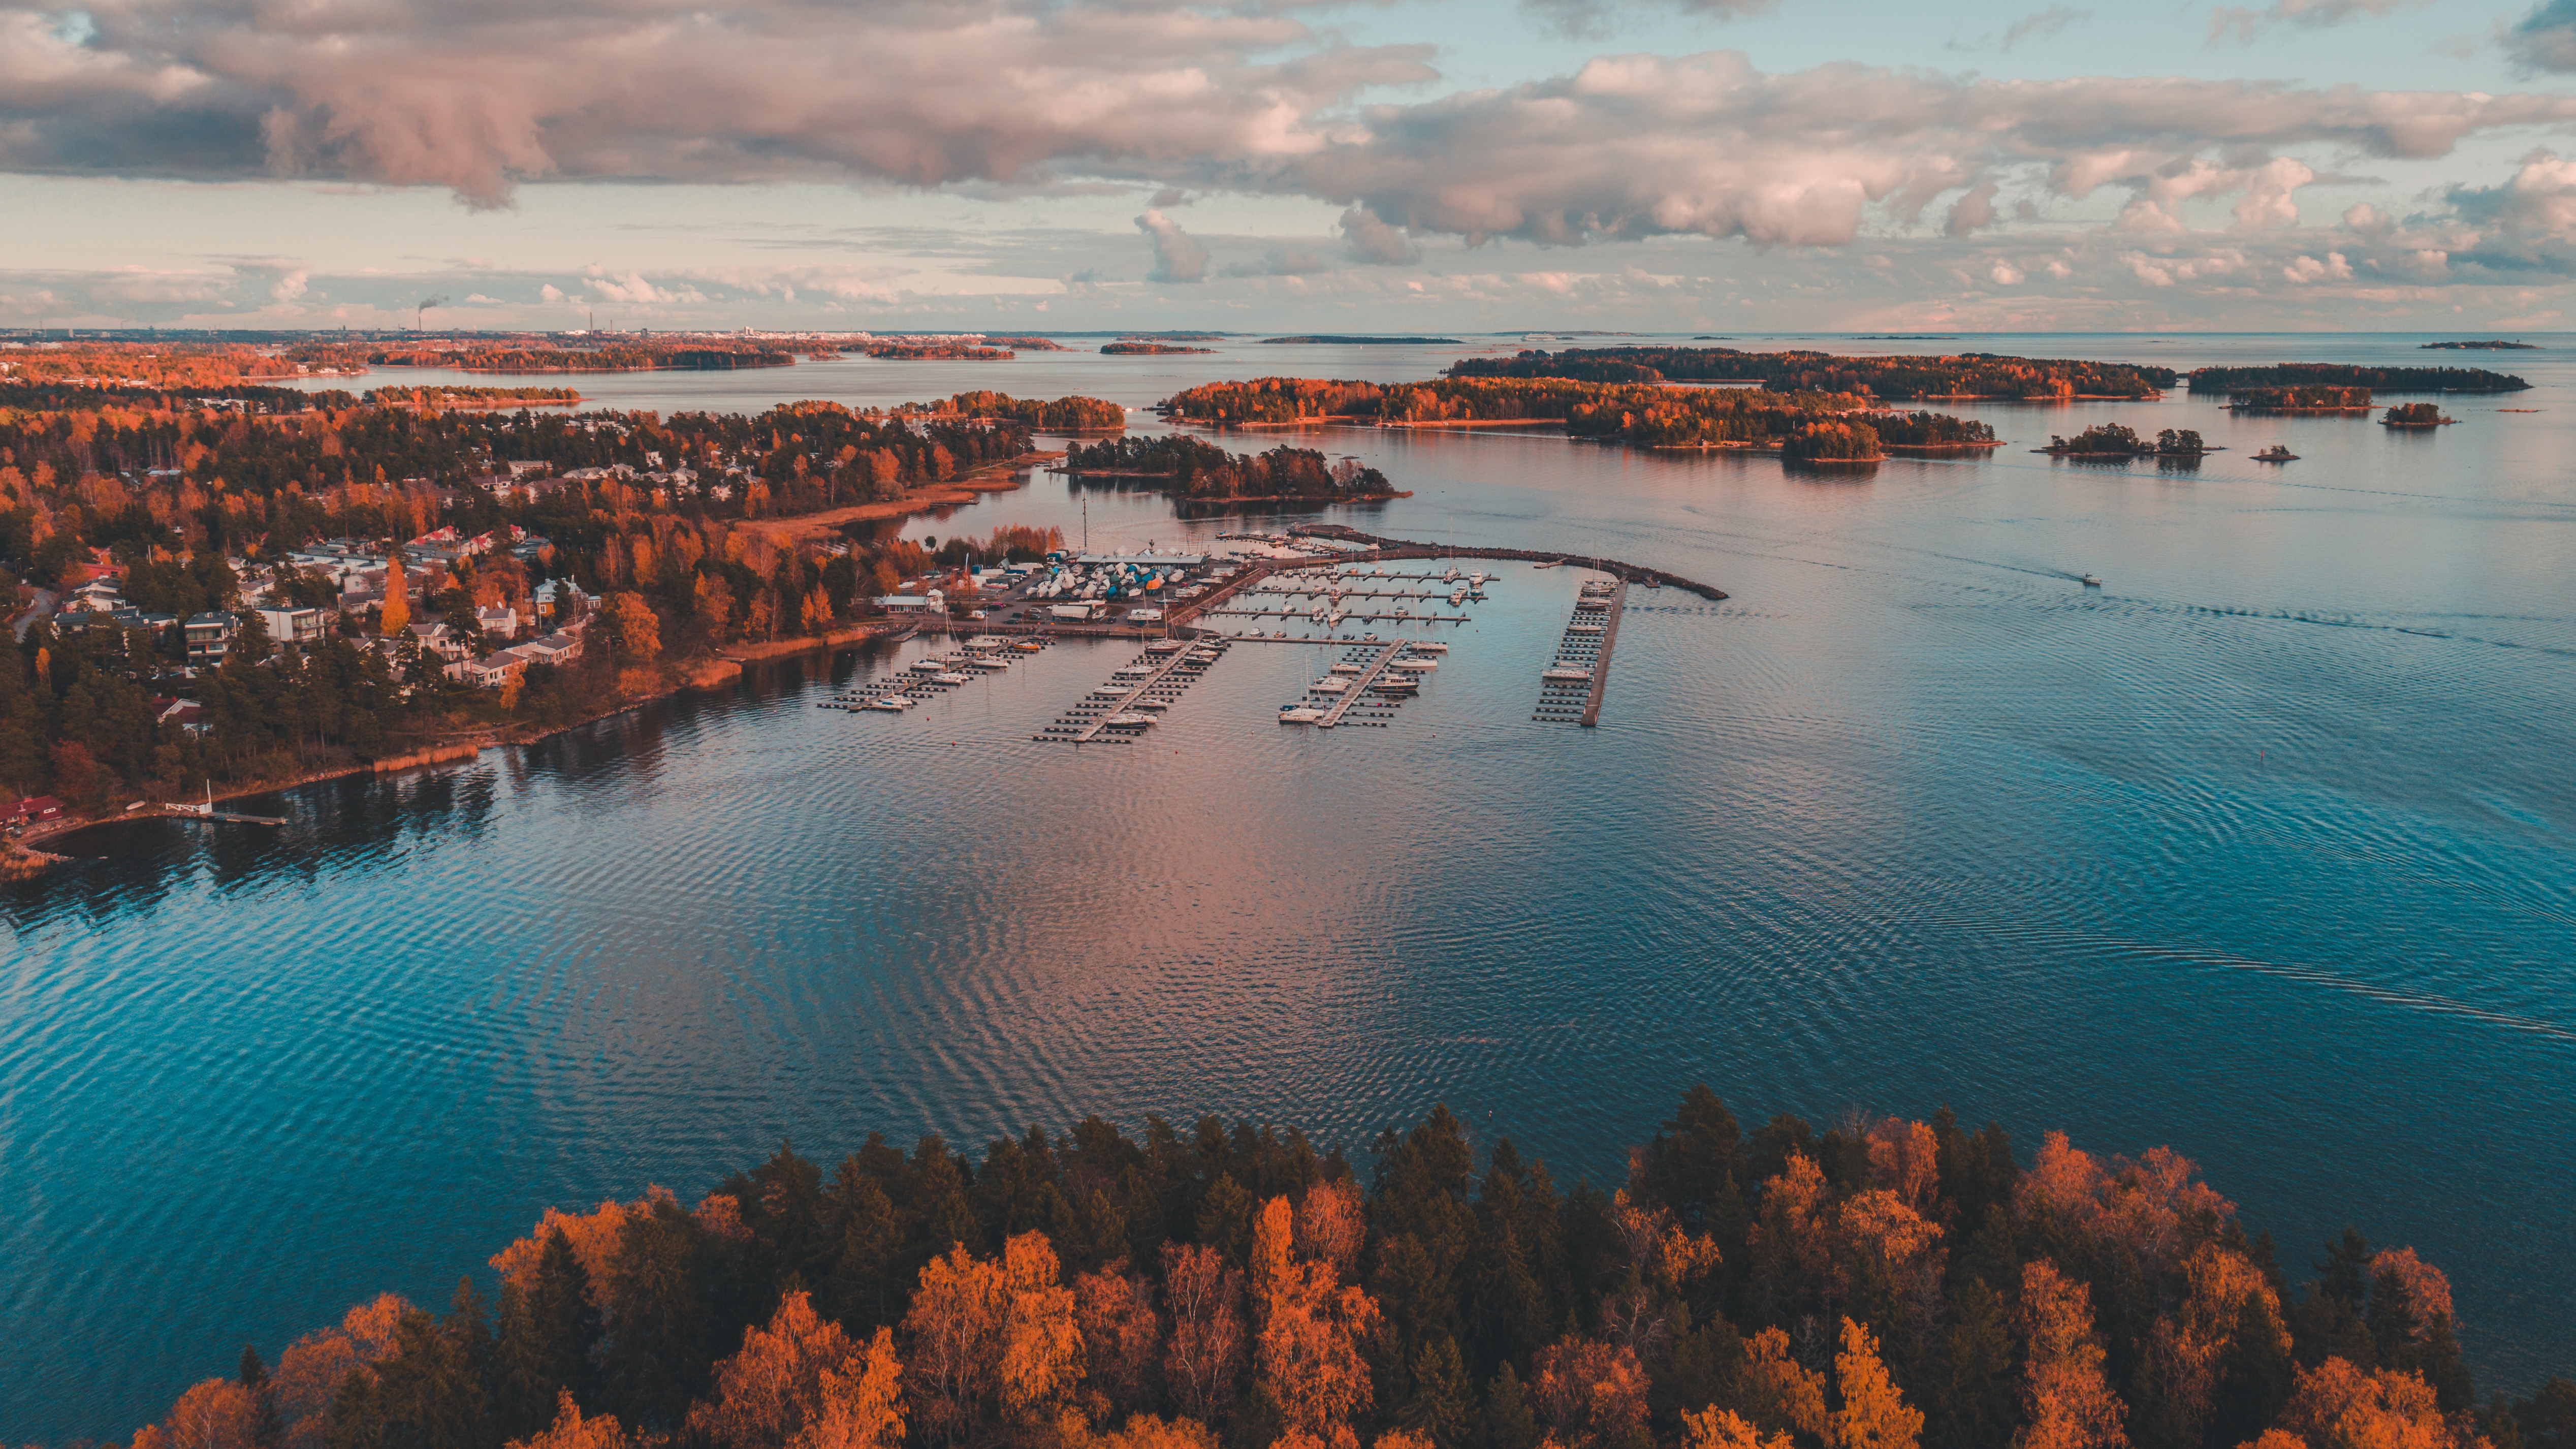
point(1409, 165)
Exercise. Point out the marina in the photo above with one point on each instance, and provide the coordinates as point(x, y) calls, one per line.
point(1136, 694)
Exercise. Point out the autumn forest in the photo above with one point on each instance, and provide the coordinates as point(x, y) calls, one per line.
point(1882, 1284)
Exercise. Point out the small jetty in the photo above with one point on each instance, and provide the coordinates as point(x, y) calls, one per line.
point(1570, 688)
point(1137, 693)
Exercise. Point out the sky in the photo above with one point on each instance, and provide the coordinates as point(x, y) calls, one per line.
point(1414, 166)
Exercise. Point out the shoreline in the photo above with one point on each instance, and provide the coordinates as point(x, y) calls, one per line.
point(19, 860)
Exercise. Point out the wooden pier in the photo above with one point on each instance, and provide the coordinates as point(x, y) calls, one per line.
point(1601, 666)
point(1360, 684)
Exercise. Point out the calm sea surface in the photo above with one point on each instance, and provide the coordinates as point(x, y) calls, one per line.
point(2262, 850)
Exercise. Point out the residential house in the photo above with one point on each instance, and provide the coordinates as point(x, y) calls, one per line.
point(497, 623)
point(210, 638)
point(293, 626)
point(31, 810)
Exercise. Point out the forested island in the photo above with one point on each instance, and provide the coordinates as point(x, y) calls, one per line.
point(1894, 378)
point(1191, 469)
point(2489, 346)
point(2118, 440)
point(1053, 415)
point(1641, 415)
point(1151, 349)
point(2415, 415)
point(2303, 398)
point(408, 548)
point(1322, 340)
point(936, 352)
point(1882, 1284)
point(2339, 374)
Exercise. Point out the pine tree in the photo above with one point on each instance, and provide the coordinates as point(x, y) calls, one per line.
point(1509, 1421)
point(266, 1432)
point(549, 1328)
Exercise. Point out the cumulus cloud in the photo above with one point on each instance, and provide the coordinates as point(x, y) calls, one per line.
point(1640, 145)
point(1371, 240)
point(1972, 212)
point(2307, 270)
point(2537, 205)
point(1012, 93)
point(2545, 40)
point(478, 98)
point(1177, 257)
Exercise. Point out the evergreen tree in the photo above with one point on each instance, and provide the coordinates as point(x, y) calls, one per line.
point(266, 1432)
point(656, 1357)
point(1510, 1423)
point(549, 1330)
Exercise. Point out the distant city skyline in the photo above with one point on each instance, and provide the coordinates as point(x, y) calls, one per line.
point(1418, 166)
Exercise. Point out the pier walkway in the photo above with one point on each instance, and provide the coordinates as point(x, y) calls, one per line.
point(1601, 666)
point(1360, 684)
point(1091, 731)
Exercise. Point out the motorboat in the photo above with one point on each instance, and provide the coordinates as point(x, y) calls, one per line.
point(1415, 666)
point(1430, 648)
point(1346, 669)
point(988, 662)
point(2091, 582)
point(1585, 628)
point(1331, 686)
point(892, 704)
point(928, 666)
point(1028, 646)
point(1570, 673)
point(1133, 718)
point(1300, 714)
point(950, 678)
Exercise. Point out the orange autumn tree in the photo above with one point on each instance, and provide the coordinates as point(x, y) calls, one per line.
point(2337, 1406)
point(801, 1383)
point(397, 614)
point(1593, 1395)
point(1874, 1415)
point(1716, 1428)
point(572, 1431)
point(1307, 1346)
point(2069, 1404)
point(1785, 1396)
point(215, 1414)
point(1204, 1361)
point(986, 1332)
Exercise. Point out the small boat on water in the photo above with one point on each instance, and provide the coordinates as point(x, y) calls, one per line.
point(927, 666)
point(891, 704)
point(1570, 673)
point(2091, 582)
point(1028, 646)
point(1430, 648)
point(1346, 669)
point(987, 662)
point(1131, 719)
point(1331, 686)
point(1415, 666)
point(1299, 714)
point(950, 678)
point(2276, 454)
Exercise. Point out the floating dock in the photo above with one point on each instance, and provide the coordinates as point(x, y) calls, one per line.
point(1155, 679)
point(1570, 688)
